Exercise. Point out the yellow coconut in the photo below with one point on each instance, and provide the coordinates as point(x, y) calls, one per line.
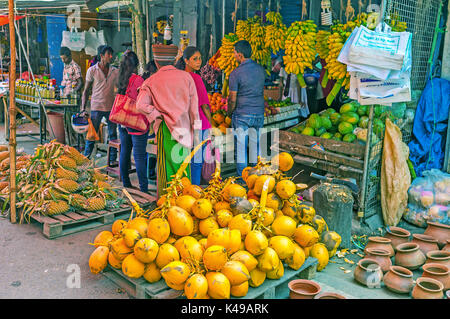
point(259, 183)
point(274, 201)
point(207, 225)
point(234, 241)
point(297, 259)
point(219, 237)
point(158, 230)
point(251, 180)
point(289, 209)
point(234, 190)
point(246, 258)
point(202, 208)
point(132, 267)
point(283, 161)
point(180, 221)
point(307, 250)
point(146, 250)
point(203, 242)
point(268, 260)
point(241, 222)
point(215, 257)
point(285, 188)
point(189, 247)
point(103, 238)
point(319, 224)
point(114, 262)
point(176, 272)
point(98, 260)
point(224, 216)
point(185, 202)
point(306, 214)
point(268, 216)
point(306, 236)
point(130, 236)
point(152, 273)
point(196, 287)
point(218, 285)
point(166, 254)
point(257, 277)
point(119, 249)
point(236, 272)
point(320, 252)
point(277, 273)
point(239, 290)
point(118, 225)
point(256, 242)
point(175, 286)
point(140, 224)
point(284, 225)
point(193, 190)
point(221, 205)
point(283, 246)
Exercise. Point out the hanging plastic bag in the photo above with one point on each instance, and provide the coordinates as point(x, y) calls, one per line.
point(92, 133)
point(73, 39)
point(209, 164)
point(395, 175)
point(94, 39)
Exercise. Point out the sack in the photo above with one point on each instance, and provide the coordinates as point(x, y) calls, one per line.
point(73, 39)
point(373, 91)
point(121, 114)
point(209, 163)
point(94, 39)
point(92, 133)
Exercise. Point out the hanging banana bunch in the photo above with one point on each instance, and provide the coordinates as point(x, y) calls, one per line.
point(243, 30)
point(322, 43)
point(300, 49)
point(226, 62)
point(260, 54)
point(276, 32)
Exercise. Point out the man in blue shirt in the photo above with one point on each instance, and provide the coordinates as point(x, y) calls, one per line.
point(246, 105)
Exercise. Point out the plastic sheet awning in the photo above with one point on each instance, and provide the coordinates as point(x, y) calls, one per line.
point(4, 19)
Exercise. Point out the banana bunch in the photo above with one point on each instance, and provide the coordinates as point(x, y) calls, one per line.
point(300, 47)
point(226, 61)
point(361, 19)
point(260, 54)
point(396, 24)
point(322, 43)
point(243, 30)
point(276, 32)
point(161, 25)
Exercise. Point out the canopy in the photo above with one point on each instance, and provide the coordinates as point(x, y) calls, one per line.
point(4, 19)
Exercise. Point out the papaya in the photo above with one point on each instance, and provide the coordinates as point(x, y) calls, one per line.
point(308, 131)
point(314, 121)
point(349, 138)
point(347, 107)
point(362, 110)
point(345, 128)
point(335, 118)
point(326, 135)
point(363, 122)
point(319, 131)
point(326, 122)
point(350, 117)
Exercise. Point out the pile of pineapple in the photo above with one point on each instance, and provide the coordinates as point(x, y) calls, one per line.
point(57, 179)
point(218, 241)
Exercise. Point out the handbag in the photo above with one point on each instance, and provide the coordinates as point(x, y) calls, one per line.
point(209, 164)
point(94, 39)
point(73, 39)
point(124, 113)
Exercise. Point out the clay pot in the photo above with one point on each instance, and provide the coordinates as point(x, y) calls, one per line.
point(399, 280)
point(439, 272)
point(439, 257)
point(303, 289)
point(439, 231)
point(381, 256)
point(409, 255)
point(447, 246)
point(426, 243)
point(368, 272)
point(397, 236)
point(381, 242)
point(329, 295)
point(427, 288)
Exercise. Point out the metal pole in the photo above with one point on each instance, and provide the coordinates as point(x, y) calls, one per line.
point(223, 19)
point(12, 113)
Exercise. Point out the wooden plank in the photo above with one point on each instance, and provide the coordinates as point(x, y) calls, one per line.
point(63, 218)
point(330, 145)
point(75, 216)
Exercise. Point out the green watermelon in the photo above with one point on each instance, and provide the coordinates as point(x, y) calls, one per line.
point(350, 137)
point(308, 131)
point(326, 135)
point(314, 121)
point(326, 123)
point(335, 118)
point(319, 131)
point(363, 122)
point(350, 117)
point(345, 128)
point(362, 110)
point(347, 107)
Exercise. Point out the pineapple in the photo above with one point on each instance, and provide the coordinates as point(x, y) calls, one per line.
point(62, 173)
point(103, 184)
point(69, 185)
point(67, 162)
point(51, 193)
point(55, 207)
point(77, 201)
point(95, 204)
point(3, 185)
point(75, 155)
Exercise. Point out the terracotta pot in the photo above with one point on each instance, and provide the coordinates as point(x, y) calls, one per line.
point(399, 279)
point(381, 242)
point(426, 243)
point(439, 272)
point(427, 288)
point(329, 295)
point(381, 256)
point(397, 236)
point(439, 257)
point(409, 255)
point(368, 272)
point(447, 246)
point(439, 231)
point(303, 289)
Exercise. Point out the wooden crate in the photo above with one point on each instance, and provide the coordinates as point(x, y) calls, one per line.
point(270, 289)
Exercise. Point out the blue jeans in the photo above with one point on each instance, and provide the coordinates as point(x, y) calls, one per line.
point(137, 143)
point(246, 129)
point(96, 118)
point(198, 159)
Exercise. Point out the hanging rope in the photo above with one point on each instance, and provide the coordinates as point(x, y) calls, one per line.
point(304, 10)
point(349, 11)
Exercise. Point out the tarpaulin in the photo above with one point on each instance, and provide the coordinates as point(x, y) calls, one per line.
point(430, 126)
point(5, 19)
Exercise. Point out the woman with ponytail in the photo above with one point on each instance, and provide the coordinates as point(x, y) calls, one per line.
point(131, 139)
point(191, 62)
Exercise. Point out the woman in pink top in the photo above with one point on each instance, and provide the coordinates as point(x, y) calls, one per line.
point(191, 62)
